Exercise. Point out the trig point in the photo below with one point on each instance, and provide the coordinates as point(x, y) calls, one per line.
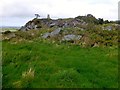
point(48, 16)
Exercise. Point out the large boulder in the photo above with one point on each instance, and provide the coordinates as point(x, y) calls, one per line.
point(52, 34)
point(46, 35)
point(55, 32)
point(71, 37)
point(109, 28)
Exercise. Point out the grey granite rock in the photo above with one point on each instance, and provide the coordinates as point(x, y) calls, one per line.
point(46, 35)
point(52, 24)
point(71, 37)
point(55, 32)
point(52, 34)
point(109, 28)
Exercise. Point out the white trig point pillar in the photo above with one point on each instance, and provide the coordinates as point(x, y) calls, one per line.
point(48, 16)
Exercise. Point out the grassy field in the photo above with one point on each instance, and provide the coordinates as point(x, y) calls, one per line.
point(41, 64)
point(9, 29)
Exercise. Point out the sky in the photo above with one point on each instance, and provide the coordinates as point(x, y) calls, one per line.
point(18, 12)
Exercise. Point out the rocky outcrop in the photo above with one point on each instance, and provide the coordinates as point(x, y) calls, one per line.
point(57, 32)
point(36, 24)
point(78, 22)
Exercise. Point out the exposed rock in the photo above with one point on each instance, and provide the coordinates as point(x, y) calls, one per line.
point(46, 35)
point(80, 21)
point(87, 19)
point(71, 37)
point(52, 34)
point(36, 27)
point(109, 28)
point(52, 24)
point(96, 45)
point(82, 29)
point(55, 32)
point(34, 24)
point(90, 15)
point(84, 23)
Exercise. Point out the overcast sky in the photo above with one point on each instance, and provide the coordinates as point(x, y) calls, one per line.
point(18, 12)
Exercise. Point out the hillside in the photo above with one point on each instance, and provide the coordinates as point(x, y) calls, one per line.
point(80, 52)
point(81, 30)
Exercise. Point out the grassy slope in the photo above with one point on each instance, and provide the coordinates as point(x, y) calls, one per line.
point(54, 65)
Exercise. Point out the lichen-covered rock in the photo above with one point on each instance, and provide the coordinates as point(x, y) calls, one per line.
point(52, 34)
point(46, 35)
point(55, 32)
point(109, 28)
point(71, 37)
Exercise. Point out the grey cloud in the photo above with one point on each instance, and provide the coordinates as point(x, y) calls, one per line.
point(16, 10)
point(24, 9)
point(119, 10)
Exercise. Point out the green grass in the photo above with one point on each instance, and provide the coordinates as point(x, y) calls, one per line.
point(8, 29)
point(41, 64)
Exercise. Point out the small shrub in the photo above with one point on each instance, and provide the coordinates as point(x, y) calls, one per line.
point(6, 32)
